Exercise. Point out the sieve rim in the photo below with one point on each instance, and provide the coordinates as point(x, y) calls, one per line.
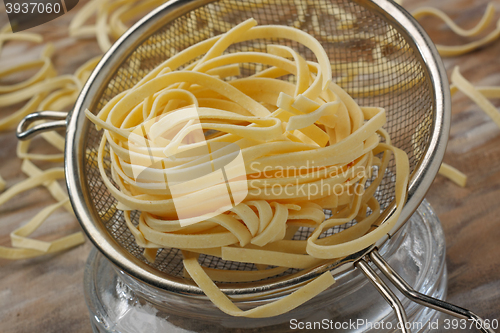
point(76, 132)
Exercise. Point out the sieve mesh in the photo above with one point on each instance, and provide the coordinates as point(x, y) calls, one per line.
point(404, 89)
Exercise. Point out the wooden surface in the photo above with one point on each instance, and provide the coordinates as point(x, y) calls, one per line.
point(45, 294)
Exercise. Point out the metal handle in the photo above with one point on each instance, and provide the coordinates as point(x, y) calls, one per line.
point(422, 299)
point(411, 293)
point(25, 132)
point(386, 292)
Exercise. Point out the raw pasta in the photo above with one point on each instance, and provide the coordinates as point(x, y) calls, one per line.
point(453, 174)
point(450, 51)
point(479, 98)
point(24, 247)
point(2, 183)
point(296, 136)
point(6, 35)
point(328, 122)
point(44, 90)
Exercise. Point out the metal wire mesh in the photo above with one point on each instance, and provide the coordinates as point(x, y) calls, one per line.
point(350, 33)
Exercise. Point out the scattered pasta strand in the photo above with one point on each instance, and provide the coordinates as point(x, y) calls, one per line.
point(6, 35)
point(476, 30)
point(451, 51)
point(19, 236)
point(470, 91)
point(11, 94)
point(2, 184)
point(44, 90)
point(59, 245)
point(25, 247)
point(453, 174)
point(480, 96)
point(27, 184)
point(53, 186)
point(110, 19)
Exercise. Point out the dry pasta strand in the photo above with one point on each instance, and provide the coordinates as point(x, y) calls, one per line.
point(24, 247)
point(480, 27)
point(179, 127)
point(2, 184)
point(44, 91)
point(470, 91)
point(453, 174)
point(275, 308)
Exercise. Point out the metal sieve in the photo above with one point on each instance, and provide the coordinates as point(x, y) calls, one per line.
point(414, 92)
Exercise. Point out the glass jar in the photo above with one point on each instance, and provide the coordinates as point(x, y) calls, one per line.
point(120, 303)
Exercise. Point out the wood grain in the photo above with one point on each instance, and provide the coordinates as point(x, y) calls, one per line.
point(45, 294)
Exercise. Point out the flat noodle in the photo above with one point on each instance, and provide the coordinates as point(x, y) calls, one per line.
point(52, 186)
point(42, 91)
point(19, 236)
point(275, 308)
point(6, 35)
point(468, 89)
point(279, 128)
point(480, 96)
point(2, 184)
point(451, 51)
point(24, 247)
point(259, 229)
point(8, 93)
point(453, 174)
point(59, 245)
point(110, 19)
point(487, 18)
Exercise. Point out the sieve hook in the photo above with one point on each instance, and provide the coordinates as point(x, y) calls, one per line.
point(425, 300)
point(386, 292)
point(411, 293)
point(25, 131)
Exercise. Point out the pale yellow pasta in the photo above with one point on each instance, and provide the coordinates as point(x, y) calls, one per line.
point(32, 182)
point(53, 186)
point(470, 91)
point(83, 15)
point(281, 306)
point(43, 91)
point(14, 253)
point(110, 18)
point(46, 71)
point(19, 236)
point(40, 87)
point(13, 119)
point(487, 18)
point(450, 51)
point(480, 96)
point(453, 174)
point(311, 120)
point(6, 35)
point(24, 247)
point(275, 124)
point(2, 184)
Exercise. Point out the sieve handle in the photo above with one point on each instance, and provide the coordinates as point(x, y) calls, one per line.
point(386, 292)
point(25, 131)
point(420, 298)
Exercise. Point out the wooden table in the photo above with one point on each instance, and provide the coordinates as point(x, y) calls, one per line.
point(45, 294)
